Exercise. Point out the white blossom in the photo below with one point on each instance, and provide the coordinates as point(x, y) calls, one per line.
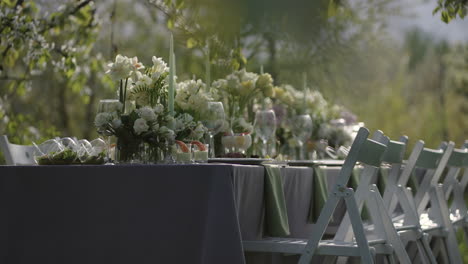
point(140, 126)
point(159, 109)
point(147, 114)
point(121, 68)
point(159, 68)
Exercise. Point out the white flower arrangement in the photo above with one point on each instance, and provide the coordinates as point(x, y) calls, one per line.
point(191, 97)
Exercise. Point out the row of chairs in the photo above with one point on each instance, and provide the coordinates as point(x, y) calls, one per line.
point(405, 226)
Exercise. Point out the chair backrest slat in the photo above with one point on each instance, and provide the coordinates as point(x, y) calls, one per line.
point(395, 152)
point(352, 158)
point(459, 158)
point(429, 158)
point(372, 153)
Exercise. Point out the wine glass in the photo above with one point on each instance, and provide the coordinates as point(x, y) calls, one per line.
point(214, 121)
point(107, 106)
point(302, 130)
point(265, 127)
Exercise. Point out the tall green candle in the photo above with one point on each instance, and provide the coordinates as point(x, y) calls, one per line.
point(208, 67)
point(171, 76)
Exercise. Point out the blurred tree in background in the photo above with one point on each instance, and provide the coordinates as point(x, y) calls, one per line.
point(53, 57)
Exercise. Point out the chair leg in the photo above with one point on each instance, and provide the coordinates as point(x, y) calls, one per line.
point(427, 249)
point(391, 259)
point(465, 231)
point(441, 209)
point(320, 226)
point(445, 252)
point(422, 252)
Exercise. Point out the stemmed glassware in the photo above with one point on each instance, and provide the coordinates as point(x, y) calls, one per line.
point(106, 106)
point(265, 127)
point(214, 122)
point(302, 130)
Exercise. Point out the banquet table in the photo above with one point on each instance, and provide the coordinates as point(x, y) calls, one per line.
point(144, 213)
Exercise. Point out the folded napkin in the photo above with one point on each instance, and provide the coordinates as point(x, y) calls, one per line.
point(320, 195)
point(276, 215)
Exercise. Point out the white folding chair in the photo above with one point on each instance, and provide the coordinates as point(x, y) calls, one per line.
point(16, 154)
point(368, 152)
point(396, 192)
point(382, 224)
point(454, 189)
point(435, 220)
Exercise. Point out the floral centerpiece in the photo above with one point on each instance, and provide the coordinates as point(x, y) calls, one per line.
point(141, 118)
point(239, 90)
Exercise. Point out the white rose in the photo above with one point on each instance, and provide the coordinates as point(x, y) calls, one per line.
point(102, 119)
point(159, 109)
point(140, 126)
point(147, 113)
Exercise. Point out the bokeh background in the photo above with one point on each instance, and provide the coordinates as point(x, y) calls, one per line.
point(393, 63)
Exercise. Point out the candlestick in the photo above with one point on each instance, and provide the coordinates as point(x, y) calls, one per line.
point(261, 69)
point(171, 76)
point(208, 67)
point(304, 83)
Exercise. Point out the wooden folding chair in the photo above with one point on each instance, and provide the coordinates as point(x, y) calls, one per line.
point(368, 152)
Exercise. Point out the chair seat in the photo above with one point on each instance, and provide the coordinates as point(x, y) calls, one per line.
point(326, 247)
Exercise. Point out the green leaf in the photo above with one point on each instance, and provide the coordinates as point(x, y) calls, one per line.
point(170, 23)
point(332, 8)
point(191, 42)
point(11, 57)
point(10, 3)
point(445, 17)
point(180, 4)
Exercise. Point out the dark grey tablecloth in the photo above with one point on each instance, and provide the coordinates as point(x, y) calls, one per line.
point(118, 214)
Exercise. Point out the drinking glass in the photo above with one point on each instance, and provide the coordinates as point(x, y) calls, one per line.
point(107, 106)
point(265, 127)
point(302, 130)
point(214, 121)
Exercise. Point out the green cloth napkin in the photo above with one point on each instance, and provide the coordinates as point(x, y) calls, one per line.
point(320, 195)
point(276, 215)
